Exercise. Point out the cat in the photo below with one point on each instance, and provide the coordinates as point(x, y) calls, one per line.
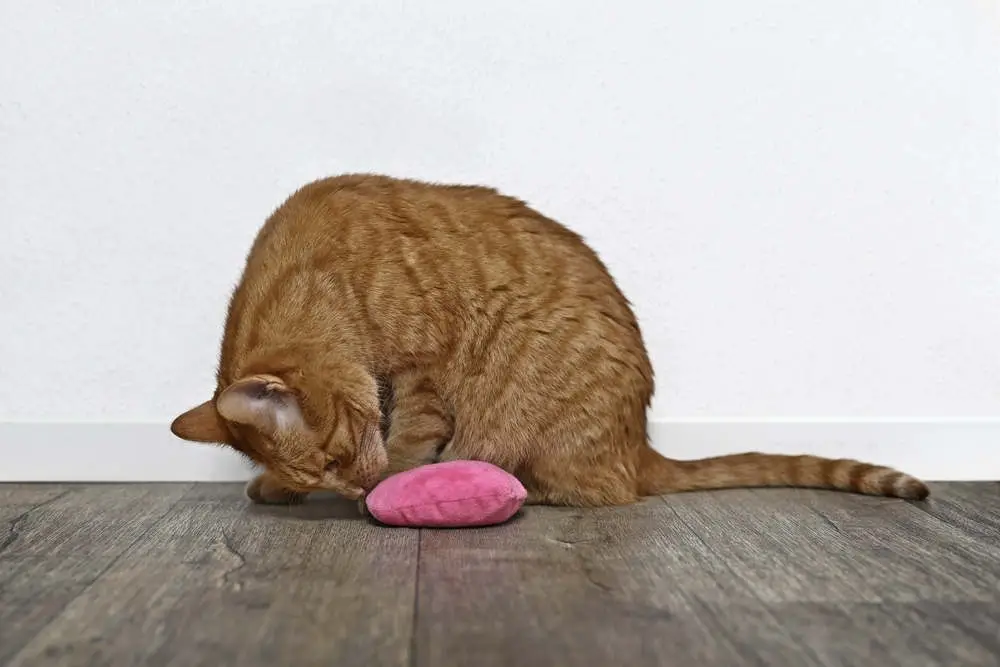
point(502, 337)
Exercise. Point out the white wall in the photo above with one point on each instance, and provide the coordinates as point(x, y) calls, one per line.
point(801, 199)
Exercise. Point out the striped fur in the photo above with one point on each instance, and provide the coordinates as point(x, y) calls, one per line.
point(754, 469)
point(499, 332)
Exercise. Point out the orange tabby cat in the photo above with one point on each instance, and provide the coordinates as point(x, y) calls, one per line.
point(501, 333)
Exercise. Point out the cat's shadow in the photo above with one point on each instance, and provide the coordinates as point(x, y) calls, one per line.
point(317, 507)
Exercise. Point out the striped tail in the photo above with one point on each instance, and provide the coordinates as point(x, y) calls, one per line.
point(659, 474)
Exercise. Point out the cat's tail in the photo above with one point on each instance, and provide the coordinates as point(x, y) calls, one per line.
point(658, 474)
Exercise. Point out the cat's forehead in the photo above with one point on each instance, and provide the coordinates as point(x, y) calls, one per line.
point(264, 450)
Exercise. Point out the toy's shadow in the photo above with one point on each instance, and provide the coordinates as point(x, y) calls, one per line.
point(317, 507)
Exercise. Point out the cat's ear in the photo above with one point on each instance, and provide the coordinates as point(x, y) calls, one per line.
point(201, 424)
point(264, 402)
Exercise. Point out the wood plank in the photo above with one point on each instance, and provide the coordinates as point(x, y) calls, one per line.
point(16, 498)
point(219, 581)
point(917, 634)
point(110, 574)
point(977, 620)
point(628, 586)
point(937, 559)
point(797, 545)
point(19, 500)
point(59, 539)
point(973, 507)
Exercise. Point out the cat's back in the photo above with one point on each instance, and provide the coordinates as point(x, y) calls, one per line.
point(410, 255)
point(364, 218)
point(454, 246)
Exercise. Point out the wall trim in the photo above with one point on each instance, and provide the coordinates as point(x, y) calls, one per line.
point(933, 449)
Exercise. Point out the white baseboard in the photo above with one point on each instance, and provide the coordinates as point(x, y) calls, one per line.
point(940, 449)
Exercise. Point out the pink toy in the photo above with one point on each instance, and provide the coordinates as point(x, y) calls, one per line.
point(453, 494)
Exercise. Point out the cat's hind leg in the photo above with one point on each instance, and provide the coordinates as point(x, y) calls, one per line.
point(571, 494)
point(579, 476)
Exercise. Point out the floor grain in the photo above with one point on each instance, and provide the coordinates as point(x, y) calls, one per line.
point(218, 582)
point(60, 541)
point(185, 574)
point(914, 634)
point(797, 545)
point(595, 587)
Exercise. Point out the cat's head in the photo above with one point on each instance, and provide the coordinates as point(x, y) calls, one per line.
point(309, 437)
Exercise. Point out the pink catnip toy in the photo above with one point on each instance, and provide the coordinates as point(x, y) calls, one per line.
point(453, 494)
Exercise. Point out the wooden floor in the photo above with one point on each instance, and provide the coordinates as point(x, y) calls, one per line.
point(182, 574)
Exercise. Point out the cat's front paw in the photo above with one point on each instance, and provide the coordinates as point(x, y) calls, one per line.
point(263, 489)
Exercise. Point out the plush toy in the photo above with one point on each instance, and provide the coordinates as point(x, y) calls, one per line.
point(453, 494)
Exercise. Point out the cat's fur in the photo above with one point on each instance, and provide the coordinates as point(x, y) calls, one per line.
point(502, 334)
